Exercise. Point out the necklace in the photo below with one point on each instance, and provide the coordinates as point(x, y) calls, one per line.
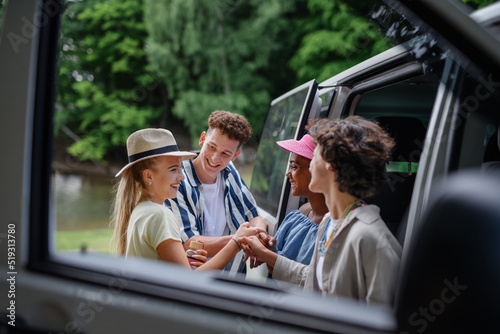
point(325, 242)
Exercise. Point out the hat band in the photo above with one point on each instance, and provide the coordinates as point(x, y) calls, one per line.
point(160, 150)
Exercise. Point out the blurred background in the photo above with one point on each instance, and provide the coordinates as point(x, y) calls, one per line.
point(125, 65)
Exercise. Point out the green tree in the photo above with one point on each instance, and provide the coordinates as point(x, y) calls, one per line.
point(479, 3)
point(3, 3)
point(335, 39)
point(229, 55)
point(106, 88)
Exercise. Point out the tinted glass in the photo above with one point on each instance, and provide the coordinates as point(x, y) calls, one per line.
point(283, 122)
point(2, 10)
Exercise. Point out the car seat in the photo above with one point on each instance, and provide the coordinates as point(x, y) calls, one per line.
point(394, 196)
point(492, 154)
point(450, 279)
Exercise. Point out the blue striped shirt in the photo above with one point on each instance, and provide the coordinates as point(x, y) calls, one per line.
point(188, 206)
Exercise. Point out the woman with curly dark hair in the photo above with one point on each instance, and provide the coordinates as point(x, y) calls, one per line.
point(355, 255)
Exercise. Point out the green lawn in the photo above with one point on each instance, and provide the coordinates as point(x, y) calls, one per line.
point(94, 240)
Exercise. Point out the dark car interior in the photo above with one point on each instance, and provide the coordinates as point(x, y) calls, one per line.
point(403, 110)
point(450, 285)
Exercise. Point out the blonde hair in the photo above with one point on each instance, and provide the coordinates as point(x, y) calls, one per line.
point(127, 194)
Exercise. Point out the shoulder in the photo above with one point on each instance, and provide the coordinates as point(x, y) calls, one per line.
point(305, 208)
point(152, 209)
point(189, 173)
point(231, 170)
point(297, 223)
point(290, 219)
point(233, 177)
point(369, 228)
point(147, 207)
point(367, 214)
point(296, 217)
point(366, 220)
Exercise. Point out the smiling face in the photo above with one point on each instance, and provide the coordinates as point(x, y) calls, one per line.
point(299, 175)
point(217, 151)
point(164, 178)
point(322, 177)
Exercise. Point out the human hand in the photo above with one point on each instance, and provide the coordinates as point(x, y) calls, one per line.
point(257, 252)
point(249, 254)
point(252, 246)
point(200, 257)
point(266, 239)
point(245, 230)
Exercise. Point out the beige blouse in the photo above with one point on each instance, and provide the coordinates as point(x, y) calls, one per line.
point(361, 262)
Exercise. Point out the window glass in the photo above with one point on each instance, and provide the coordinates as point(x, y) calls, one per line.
point(3, 4)
point(105, 91)
point(403, 110)
point(91, 78)
point(411, 98)
point(283, 123)
point(474, 128)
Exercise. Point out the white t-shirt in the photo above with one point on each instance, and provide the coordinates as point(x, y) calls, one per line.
point(321, 258)
point(150, 224)
point(214, 224)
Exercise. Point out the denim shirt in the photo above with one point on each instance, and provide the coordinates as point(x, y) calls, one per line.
point(296, 237)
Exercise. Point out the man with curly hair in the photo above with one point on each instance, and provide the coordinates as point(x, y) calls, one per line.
point(214, 200)
point(356, 256)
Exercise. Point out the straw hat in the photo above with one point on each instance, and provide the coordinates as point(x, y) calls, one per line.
point(304, 147)
point(149, 143)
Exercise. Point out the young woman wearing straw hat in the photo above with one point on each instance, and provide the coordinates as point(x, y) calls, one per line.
point(355, 254)
point(144, 227)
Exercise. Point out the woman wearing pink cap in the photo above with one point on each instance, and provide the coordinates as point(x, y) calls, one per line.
point(296, 234)
point(355, 254)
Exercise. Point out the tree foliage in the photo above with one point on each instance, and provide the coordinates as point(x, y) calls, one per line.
point(229, 55)
point(3, 3)
point(479, 3)
point(335, 39)
point(119, 74)
point(106, 88)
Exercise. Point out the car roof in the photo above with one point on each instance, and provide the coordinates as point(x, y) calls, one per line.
point(473, 27)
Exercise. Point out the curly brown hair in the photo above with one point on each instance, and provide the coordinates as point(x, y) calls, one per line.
point(357, 150)
point(234, 126)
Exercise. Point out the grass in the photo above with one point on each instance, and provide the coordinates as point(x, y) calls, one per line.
point(94, 240)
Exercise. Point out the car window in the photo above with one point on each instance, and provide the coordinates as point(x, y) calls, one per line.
point(474, 127)
point(60, 244)
point(285, 120)
point(81, 203)
point(3, 5)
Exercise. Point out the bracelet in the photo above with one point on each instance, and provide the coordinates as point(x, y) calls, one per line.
point(237, 244)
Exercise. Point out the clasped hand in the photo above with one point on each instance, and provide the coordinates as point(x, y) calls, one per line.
point(254, 245)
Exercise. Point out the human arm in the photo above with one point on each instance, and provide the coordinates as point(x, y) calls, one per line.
point(224, 256)
point(282, 268)
point(268, 241)
point(381, 269)
point(258, 222)
point(212, 244)
point(253, 247)
point(172, 251)
point(188, 216)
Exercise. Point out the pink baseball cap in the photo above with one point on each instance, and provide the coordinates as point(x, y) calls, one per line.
point(304, 147)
